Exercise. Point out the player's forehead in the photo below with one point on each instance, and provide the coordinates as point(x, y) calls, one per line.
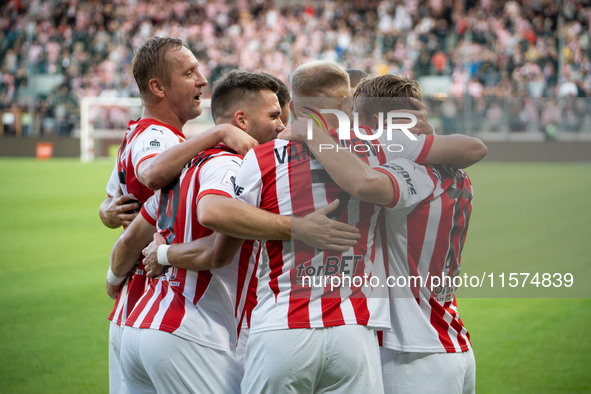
point(268, 101)
point(182, 58)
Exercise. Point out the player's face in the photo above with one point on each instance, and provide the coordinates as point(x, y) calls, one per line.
point(285, 114)
point(266, 118)
point(186, 84)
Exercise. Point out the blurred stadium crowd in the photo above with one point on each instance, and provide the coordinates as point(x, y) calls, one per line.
point(490, 50)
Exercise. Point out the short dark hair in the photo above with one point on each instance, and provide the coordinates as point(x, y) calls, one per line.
point(149, 61)
point(237, 87)
point(283, 92)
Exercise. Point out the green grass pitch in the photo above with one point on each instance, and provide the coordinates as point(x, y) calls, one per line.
point(55, 251)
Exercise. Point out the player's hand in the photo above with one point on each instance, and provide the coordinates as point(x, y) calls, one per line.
point(317, 230)
point(298, 131)
point(286, 133)
point(423, 126)
point(112, 290)
point(236, 138)
point(121, 209)
point(150, 253)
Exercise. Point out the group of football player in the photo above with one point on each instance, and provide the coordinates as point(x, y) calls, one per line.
point(224, 277)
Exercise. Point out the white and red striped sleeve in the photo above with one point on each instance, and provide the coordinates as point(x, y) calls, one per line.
point(218, 175)
point(149, 210)
point(400, 146)
point(150, 142)
point(412, 183)
point(249, 181)
point(113, 183)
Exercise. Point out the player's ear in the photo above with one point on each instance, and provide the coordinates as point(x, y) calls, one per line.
point(376, 121)
point(293, 113)
point(156, 87)
point(242, 119)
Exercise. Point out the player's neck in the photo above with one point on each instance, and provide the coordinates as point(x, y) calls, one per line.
point(162, 115)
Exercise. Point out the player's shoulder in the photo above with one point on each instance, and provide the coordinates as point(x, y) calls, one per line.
point(217, 156)
point(154, 128)
point(268, 151)
point(268, 147)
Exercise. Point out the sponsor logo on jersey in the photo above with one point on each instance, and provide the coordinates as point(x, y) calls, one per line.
point(334, 266)
point(405, 175)
point(229, 179)
point(154, 144)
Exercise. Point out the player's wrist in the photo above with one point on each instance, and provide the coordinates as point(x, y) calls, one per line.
point(219, 134)
point(296, 234)
point(162, 254)
point(114, 279)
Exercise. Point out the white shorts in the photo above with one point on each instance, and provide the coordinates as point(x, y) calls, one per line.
point(242, 341)
point(116, 381)
point(343, 359)
point(441, 373)
point(155, 361)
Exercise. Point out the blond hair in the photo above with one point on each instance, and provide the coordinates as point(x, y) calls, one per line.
point(319, 79)
point(372, 91)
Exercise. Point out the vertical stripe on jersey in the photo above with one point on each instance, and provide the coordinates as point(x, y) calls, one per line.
point(251, 295)
point(367, 228)
point(417, 222)
point(266, 163)
point(302, 202)
point(173, 316)
point(245, 252)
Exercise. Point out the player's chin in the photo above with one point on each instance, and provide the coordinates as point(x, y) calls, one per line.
point(197, 111)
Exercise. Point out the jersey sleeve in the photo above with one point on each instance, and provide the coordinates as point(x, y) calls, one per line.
point(150, 208)
point(400, 146)
point(249, 180)
point(412, 183)
point(218, 175)
point(113, 184)
point(151, 142)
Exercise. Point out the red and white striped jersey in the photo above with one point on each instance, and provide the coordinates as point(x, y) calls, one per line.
point(425, 239)
point(207, 306)
point(282, 177)
point(144, 139)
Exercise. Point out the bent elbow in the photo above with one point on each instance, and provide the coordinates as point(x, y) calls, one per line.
point(152, 182)
point(127, 240)
point(207, 217)
point(478, 152)
point(368, 190)
point(361, 189)
point(150, 178)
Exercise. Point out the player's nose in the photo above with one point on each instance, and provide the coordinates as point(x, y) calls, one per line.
point(201, 80)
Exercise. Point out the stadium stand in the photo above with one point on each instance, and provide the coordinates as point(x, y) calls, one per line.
point(480, 51)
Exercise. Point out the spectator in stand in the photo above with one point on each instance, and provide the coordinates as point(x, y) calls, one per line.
point(90, 43)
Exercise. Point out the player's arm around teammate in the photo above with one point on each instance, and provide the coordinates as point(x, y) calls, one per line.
point(156, 172)
point(160, 170)
point(118, 210)
point(216, 213)
point(367, 184)
point(126, 253)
